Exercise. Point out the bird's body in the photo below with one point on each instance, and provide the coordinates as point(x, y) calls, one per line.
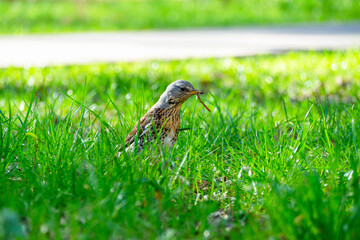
point(162, 121)
point(158, 121)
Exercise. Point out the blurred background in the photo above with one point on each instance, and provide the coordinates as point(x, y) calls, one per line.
point(277, 158)
point(39, 16)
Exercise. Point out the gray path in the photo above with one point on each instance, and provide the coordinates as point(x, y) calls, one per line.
point(81, 48)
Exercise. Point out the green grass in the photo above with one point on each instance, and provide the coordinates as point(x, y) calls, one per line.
point(278, 156)
point(19, 16)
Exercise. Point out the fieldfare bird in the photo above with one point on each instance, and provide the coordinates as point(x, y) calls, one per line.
point(162, 121)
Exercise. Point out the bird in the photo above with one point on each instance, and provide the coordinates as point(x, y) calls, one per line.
point(162, 121)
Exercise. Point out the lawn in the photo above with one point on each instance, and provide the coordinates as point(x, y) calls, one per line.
point(21, 16)
point(278, 156)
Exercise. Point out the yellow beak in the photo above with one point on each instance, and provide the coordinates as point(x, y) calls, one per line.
point(193, 92)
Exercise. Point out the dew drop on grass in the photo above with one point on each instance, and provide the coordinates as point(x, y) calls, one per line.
point(254, 187)
point(155, 86)
point(282, 66)
point(44, 228)
point(120, 196)
point(49, 78)
point(227, 63)
point(269, 79)
point(295, 149)
point(70, 92)
point(22, 106)
point(206, 233)
point(55, 95)
point(155, 65)
point(62, 221)
point(240, 68)
point(93, 107)
point(31, 81)
point(242, 78)
point(113, 86)
point(334, 67)
point(303, 76)
point(349, 174)
point(344, 65)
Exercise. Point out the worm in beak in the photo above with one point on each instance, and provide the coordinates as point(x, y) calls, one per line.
point(198, 92)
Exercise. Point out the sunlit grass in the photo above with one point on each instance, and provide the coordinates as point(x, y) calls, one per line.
point(277, 157)
point(20, 16)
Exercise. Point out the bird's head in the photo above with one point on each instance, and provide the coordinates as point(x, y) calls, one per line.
point(178, 92)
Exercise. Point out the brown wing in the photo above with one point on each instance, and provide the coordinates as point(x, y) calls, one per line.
point(154, 116)
point(143, 122)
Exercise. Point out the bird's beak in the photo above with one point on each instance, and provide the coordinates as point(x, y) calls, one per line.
point(194, 92)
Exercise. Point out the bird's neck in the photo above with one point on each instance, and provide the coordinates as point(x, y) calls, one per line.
point(165, 103)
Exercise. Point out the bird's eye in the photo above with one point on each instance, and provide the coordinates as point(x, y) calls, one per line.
point(182, 89)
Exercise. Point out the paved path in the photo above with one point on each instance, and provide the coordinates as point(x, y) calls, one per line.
point(81, 48)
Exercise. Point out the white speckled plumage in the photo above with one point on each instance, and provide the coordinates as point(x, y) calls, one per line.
point(163, 119)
